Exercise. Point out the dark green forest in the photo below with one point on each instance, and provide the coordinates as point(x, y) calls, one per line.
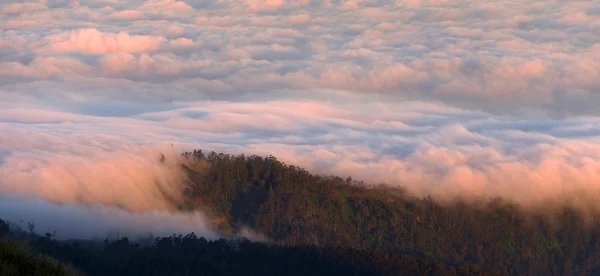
point(291, 206)
point(25, 253)
point(331, 225)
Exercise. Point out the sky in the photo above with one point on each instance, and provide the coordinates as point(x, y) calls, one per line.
point(449, 98)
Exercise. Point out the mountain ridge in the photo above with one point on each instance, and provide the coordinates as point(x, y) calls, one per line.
point(291, 206)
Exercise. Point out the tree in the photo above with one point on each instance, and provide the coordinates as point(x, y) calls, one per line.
point(4, 229)
point(31, 227)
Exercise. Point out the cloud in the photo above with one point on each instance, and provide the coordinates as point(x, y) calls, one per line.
point(92, 41)
point(118, 63)
point(99, 221)
point(128, 15)
point(300, 19)
point(501, 58)
point(18, 8)
point(265, 5)
point(102, 183)
point(63, 176)
point(45, 67)
point(426, 148)
point(99, 177)
point(168, 8)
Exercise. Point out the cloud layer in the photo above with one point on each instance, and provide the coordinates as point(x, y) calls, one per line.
point(428, 148)
point(504, 57)
point(457, 99)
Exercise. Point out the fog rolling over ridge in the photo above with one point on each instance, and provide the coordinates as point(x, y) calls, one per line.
point(89, 189)
point(91, 195)
point(135, 181)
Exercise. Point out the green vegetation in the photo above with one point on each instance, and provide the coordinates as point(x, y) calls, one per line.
point(191, 255)
point(17, 258)
point(294, 207)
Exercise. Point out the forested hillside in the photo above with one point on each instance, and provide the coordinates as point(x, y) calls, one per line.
point(294, 207)
point(18, 258)
point(192, 255)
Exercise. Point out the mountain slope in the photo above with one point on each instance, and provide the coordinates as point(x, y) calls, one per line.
point(18, 258)
point(190, 255)
point(293, 207)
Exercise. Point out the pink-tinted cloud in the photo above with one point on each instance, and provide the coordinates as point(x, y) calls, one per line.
point(119, 63)
point(426, 148)
point(182, 43)
point(265, 5)
point(300, 19)
point(92, 41)
point(46, 67)
point(18, 8)
point(128, 15)
point(35, 116)
point(458, 58)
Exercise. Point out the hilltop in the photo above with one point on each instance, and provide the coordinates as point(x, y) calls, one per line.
point(291, 206)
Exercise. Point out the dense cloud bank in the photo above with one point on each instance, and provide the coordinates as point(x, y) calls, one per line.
point(470, 99)
point(91, 188)
point(516, 57)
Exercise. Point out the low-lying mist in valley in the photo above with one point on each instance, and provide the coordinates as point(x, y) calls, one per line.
point(96, 221)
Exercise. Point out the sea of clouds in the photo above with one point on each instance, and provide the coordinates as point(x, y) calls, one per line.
point(468, 99)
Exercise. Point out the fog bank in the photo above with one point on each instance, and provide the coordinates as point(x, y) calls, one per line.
point(76, 221)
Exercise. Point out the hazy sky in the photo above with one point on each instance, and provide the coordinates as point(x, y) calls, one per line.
point(444, 97)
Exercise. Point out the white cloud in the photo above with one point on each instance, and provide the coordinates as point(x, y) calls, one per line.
point(92, 41)
point(128, 15)
point(502, 57)
point(18, 8)
point(427, 148)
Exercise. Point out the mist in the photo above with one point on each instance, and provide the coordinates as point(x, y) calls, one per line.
point(91, 191)
point(76, 221)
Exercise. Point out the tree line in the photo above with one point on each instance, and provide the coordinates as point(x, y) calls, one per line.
point(192, 255)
